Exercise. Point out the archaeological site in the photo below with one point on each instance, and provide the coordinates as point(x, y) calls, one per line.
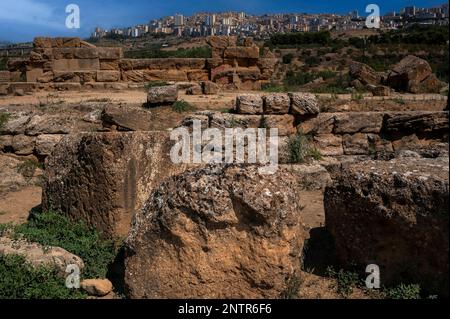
point(254, 170)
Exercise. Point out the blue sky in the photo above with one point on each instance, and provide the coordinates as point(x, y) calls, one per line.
point(22, 20)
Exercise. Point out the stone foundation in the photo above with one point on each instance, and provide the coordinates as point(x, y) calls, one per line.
point(73, 61)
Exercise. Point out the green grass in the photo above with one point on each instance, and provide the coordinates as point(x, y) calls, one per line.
point(292, 288)
point(357, 97)
point(20, 280)
point(182, 106)
point(3, 62)
point(300, 148)
point(346, 280)
point(53, 229)
point(403, 291)
point(4, 118)
point(274, 88)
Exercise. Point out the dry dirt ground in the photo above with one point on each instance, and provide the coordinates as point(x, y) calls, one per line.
point(225, 100)
point(16, 206)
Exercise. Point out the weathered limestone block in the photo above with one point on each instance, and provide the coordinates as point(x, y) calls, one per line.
point(329, 144)
point(127, 118)
point(304, 104)
point(252, 224)
point(23, 145)
point(105, 178)
point(38, 255)
point(164, 75)
point(355, 144)
point(210, 88)
point(113, 53)
point(284, 123)
point(277, 103)
point(162, 95)
point(50, 124)
point(416, 122)
point(66, 42)
point(75, 64)
point(75, 53)
point(249, 104)
point(323, 123)
point(34, 74)
point(133, 76)
point(198, 75)
point(358, 122)
point(393, 214)
point(5, 76)
point(108, 76)
point(109, 65)
point(45, 143)
point(241, 52)
point(221, 42)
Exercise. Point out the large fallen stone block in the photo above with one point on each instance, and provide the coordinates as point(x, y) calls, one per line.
point(393, 214)
point(127, 118)
point(412, 74)
point(217, 232)
point(416, 122)
point(161, 95)
point(105, 178)
point(364, 73)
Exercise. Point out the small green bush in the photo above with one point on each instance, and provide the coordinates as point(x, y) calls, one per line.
point(20, 280)
point(182, 106)
point(403, 291)
point(53, 229)
point(292, 288)
point(287, 58)
point(346, 280)
point(4, 117)
point(300, 148)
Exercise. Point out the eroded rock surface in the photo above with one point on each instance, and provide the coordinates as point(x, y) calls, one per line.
point(217, 232)
point(393, 214)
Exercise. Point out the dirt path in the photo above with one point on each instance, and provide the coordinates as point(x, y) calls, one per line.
point(15, 206)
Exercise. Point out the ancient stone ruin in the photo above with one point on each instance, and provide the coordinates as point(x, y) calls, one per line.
point(73, 64)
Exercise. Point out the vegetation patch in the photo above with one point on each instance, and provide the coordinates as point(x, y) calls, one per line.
point(182, 106)
point(20, 280)
point(54, 229)
point(4, 118)
point(403, 291)
point(346, 280)
point(300, 148)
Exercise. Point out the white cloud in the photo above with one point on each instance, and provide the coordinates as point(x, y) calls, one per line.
point(31, 12)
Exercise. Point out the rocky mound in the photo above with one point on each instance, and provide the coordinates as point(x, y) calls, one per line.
point(217, 232)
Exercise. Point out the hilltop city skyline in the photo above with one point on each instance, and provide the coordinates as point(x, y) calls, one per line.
point(22, 20)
